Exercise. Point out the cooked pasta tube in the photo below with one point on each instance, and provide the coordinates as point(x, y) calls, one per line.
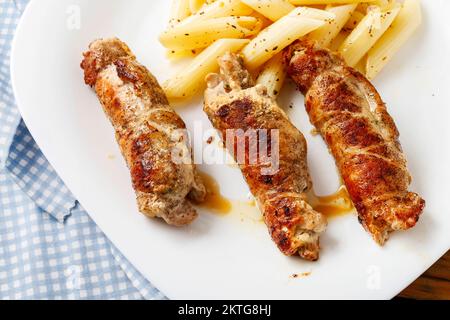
point(192, 78)
point(403, 27)
point(203, 33)
point(366, 34)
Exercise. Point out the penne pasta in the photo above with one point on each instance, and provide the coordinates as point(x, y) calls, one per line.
point(366, 34)
point(272, 9)
point(179, 11)
point(403, 27)
point(315, 2)
point(273, 75)
point(173, 55)
point(385, 4)
point(192, 78)
point(271, 42)
point(361, 65)
point(354, 20)
point(282, 33)
point(203, 33)
point(382, 3)
point(265, 22)
point(217, 9)
point(338, 40)
point(324, 35)
point(363, 7)
point(196, 5)
point(312, 13)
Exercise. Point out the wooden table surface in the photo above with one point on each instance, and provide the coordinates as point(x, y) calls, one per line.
point(433, 284)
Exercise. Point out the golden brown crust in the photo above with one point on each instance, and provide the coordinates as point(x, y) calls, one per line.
point(352, 118)
point(147, 130)
point(233, 102)
point(100, 56)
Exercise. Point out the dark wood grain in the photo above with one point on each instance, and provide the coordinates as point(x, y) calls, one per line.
point(433, 284)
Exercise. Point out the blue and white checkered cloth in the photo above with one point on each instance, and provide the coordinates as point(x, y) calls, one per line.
point(49, 247)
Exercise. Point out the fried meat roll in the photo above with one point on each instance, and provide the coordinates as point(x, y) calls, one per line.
point(234, 104)
point(353, 120)
point(147, 130)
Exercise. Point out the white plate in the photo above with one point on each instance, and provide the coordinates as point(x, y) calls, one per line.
point(224, 257)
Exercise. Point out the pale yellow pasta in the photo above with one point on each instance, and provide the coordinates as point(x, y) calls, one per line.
point(354, 20)
point(361, 65)
point(324, 35)
point(363, 7)
point(178, 54)
point(311, 2)
point(179, 11)
point(264, 20)
point(403, 27)
point(203, 33)
point(313, 13)
point(282, 33)
point(338, 40)
point(366, 34)
point(196, 5)
point(272, 9)
point(392, 3)
point(191, 79)
point(383, 4)
point(273, 75)
point(217, 9)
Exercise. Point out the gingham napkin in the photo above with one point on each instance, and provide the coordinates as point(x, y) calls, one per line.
point(49, 247)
